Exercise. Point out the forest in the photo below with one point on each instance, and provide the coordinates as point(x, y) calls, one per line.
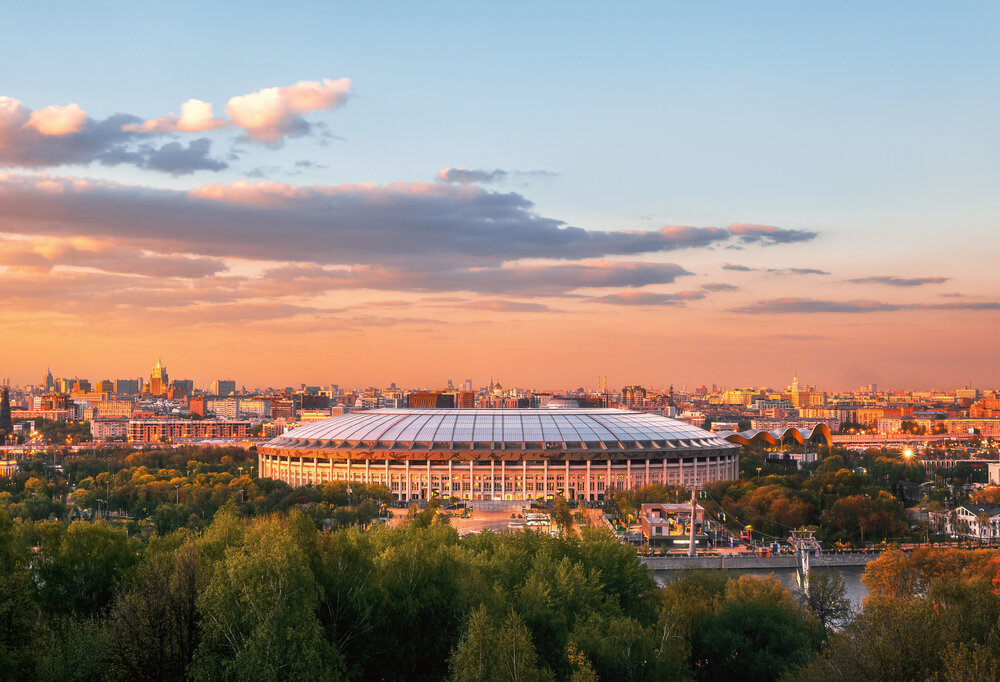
point(179, 564)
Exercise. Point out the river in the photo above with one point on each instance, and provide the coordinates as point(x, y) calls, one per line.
point(856, 592)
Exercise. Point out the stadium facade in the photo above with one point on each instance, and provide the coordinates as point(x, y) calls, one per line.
point(500, 455)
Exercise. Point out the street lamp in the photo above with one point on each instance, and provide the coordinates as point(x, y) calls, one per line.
point(758, 471)
point(177, 488)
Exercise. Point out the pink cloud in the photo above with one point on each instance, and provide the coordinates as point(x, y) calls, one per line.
point(196, 116)
point(57, 120)
point(270, 114)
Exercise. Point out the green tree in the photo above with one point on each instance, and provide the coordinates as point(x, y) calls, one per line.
point(20, 623)
point(561, 514)
point(888, 641)
point(258, 613)
point(827, 599)
point(489, 652)
point(154, 624)
point(79, 567)
point(750, 641)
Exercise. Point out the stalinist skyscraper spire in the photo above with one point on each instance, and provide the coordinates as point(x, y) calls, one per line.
point(158, 380)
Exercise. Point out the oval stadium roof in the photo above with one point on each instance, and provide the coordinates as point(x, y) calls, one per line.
point(514, 429)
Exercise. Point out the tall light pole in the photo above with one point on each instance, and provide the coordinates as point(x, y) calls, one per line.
point(177, 488)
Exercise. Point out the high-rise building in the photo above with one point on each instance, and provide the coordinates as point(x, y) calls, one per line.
point(431, 399)
point(183, 386)
point(224, 386)
point(104, 386)
point(6, 423)
point(50, 383)
point(158, 380)
point(126, 386)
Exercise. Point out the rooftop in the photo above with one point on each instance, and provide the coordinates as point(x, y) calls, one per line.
point(514, 429)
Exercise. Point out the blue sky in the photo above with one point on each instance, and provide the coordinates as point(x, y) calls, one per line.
point(871, 124)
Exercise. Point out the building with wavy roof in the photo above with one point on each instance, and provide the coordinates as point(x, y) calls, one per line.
point(500, 454)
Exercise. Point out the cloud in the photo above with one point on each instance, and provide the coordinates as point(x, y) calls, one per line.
point(271, 114)
point(899, 281)
point(65, 135)
point(775, 271)
point(45, 254)
point(769, 234)
point(196, 116)
point(631, 298)
point(496, 305)
point(524, 280)
point(57, 136)
point(719, 286)
point(430, 226)
point(57, 120)
point(797, 271)
point(466, 176)
point(804, 305)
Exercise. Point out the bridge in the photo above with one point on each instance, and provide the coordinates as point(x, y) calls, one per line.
point(678, 562)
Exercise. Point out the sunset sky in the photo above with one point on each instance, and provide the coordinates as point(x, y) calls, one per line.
point(359, 193)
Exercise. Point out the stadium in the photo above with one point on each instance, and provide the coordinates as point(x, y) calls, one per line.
point(499, 455)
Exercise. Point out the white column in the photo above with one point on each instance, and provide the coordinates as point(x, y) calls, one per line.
point(566, 482)
point(587, 492)
point(545, 479)
point(503, 480)
point(348, 469)
point(428, 479)
point(368, 473)
point(607, 479)
point(451, 485)
point(647, 472)
point(628, 473)
point(472, 480)
point(524, 479)
point(407, 479)
point(665, 479)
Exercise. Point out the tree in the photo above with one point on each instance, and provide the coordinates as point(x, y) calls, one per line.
point(489, 652)
point(827, 599)
point(20, 627)
point(79, 567)
point(154, 624)
point(258, 613)
point(561, 514)
point(892, 576)
point(888, 641)
point(749, 641)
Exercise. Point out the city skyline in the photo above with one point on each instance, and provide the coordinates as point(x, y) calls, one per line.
point(660, 194)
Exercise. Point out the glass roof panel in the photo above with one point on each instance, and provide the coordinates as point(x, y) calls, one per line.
point(488, 425)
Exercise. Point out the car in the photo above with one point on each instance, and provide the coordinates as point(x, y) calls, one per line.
point(513, 516)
